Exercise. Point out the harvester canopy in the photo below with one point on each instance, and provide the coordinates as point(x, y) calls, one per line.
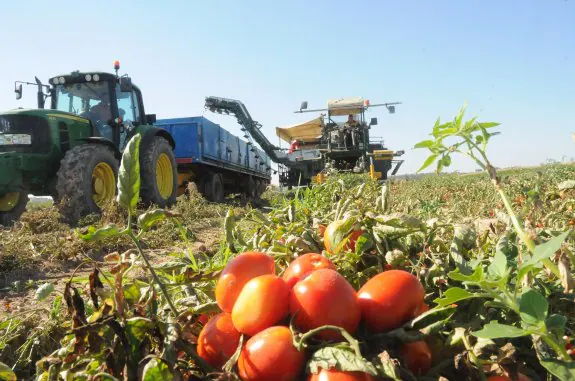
point(346, 106)
point(307, 132)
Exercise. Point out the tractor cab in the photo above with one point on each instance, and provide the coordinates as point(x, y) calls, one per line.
point(111, 103)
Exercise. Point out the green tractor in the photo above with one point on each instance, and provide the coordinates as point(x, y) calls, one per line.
point(72, 150)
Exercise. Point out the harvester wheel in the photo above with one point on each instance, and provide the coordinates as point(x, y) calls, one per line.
point(159, 183)
point(215, 187)
point(86, 181)
point(12, 205)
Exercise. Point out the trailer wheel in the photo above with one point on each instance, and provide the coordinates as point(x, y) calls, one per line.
point(12, 205)
point(158, 169)
point(252, 188)
point(215, 187)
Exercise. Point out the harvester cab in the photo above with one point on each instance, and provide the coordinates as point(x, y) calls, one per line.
point(71, 150)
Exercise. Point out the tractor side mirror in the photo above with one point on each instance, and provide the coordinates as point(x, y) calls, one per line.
point(125, 84)
point(303, 105)
point(18, 91)
point(151, 118)
point(391, 109)
point(373, 122)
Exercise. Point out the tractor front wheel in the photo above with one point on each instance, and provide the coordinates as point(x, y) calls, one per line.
point(86, 181)
point(159, 174)
point(12, 205)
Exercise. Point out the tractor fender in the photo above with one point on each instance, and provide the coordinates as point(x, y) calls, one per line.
point(150, 133)
point(105, 142)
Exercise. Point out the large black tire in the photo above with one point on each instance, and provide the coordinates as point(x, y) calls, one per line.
point(9, 216)
point(214, 187)
point(158, 150)
point(76, 187)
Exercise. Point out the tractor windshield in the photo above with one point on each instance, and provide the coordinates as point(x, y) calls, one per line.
point(90, 100)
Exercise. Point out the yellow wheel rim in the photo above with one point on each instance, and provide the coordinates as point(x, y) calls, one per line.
point(164, 176)
point(9, 201)
point(103, 184)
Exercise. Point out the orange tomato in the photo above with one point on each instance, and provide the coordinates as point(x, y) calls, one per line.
point(338, 375)
point(218, 340)
point(303, 265)
point(271, 355)
point(262, 303)
point(417, 357)
point(389, 299)
point(325, 297)
point(321, 230)
point(237, 273)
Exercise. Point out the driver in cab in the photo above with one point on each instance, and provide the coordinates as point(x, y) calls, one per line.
point(348, 127)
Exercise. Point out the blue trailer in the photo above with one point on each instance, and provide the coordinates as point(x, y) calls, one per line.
point(215, 160)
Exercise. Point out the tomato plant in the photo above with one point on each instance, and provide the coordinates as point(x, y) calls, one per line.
point(218, 340)
point(237, 273)
point(325, 297)
point(271, 355)
point(303, 265)
point(262, 303)
point(339, 375)
point(389, 299)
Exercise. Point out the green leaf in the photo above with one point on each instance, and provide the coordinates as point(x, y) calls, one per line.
point(389, 367)
point(427, 162)
point(560, 369)
point(533, 308)
point(548, 249)
point(453, 295)
point(489, 124)
point(93, 234)
point(494, 330)
point(556, 323)
point(476, 277)
point(498, 266)
point(341, 359)
point(157, 370)
point(129, 175)
point(6, 373)
point(170, 332)
point(44, 291)
point(432, 316)
point(136, 330)
point(424, 144)
point(148, 219)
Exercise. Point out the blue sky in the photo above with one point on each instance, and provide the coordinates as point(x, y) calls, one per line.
point(512, 61)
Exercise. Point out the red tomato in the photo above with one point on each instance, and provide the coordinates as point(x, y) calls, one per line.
point(338, 375)
point(303, 265)
point(423, 308)
point(520, 377)
point(237, 273)
point(325, 297)
point(390, 299)
point(218, 340)
point(417, 357)
point(262, 303)
point(321, 230)
point(271, 355)
point(353, 239)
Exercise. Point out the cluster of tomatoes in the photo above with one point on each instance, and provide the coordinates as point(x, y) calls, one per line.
point(257, 302)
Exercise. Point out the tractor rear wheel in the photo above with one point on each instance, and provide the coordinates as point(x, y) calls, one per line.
point(86, 181)
point(12, 205)
point(159, 174)
point(252, 188)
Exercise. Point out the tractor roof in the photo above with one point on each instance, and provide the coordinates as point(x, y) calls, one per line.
point(81, 77)
point(346, 106)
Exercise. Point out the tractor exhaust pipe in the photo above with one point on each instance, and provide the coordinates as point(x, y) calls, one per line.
point(41, 97)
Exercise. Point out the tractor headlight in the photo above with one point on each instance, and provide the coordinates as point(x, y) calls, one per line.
point(61, 80)
point(55, 81)
point(88, 77)
point(96, 77)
